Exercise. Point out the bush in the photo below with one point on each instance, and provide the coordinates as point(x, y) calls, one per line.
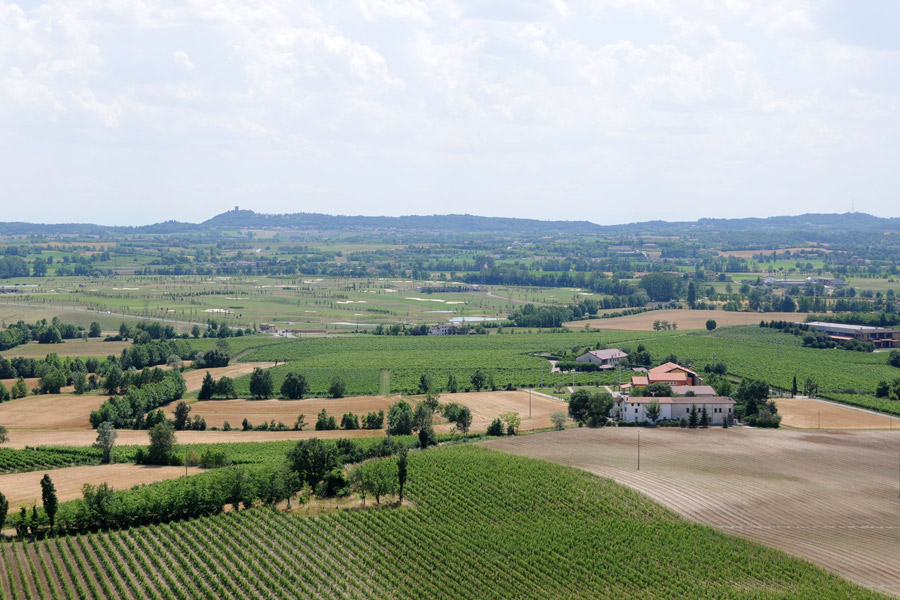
point(495, 428)
point(764, 418)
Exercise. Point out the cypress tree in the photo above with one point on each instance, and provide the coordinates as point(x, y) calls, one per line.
point(48, 496)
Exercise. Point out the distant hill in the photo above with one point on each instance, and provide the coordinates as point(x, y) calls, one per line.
point(813, 224)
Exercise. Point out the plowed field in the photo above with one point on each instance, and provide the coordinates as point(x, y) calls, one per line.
point(830, 497)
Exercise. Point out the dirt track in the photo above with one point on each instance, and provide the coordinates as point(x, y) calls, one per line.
point(25, 488)
point(829, 497)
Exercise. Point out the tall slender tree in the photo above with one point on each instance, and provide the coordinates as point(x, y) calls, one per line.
point(48, 496)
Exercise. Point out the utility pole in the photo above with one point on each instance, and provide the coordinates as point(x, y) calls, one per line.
point(186, 447)
point(529, 402)
point(639, 450)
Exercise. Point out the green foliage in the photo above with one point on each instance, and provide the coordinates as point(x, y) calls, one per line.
point(378, 477)
point(338, 387)
point(894, 358)
point(207, 387)
point(590, 408)
point(261, 385)
point(495, 428)
point(710, 324)
point(559, 419)
point(294, 386)
point(400, 418)
point(49, 499)
point(106, 439)
point(19, 389)
point(325, 422)
point(653, 410)
point(162, 442)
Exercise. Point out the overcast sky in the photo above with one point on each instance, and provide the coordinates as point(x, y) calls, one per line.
point(133, 112)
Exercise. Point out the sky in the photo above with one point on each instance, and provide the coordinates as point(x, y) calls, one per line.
point(132, 112)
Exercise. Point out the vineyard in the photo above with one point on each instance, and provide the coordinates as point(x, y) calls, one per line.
point(359, 360)
point(482, 525)
point(53, 457)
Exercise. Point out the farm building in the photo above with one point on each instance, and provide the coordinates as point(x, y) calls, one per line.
point(674, 375)
point(605, 358)
point(882, 337)
point(698, 390)
point(439, 330)
point(717, 407)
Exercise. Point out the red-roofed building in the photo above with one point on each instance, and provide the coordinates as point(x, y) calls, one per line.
point(674, 375)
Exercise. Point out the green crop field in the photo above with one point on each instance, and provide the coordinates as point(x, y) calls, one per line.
point(359, 360)
point(482, 524)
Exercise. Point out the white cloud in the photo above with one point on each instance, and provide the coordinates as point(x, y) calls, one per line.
point(378, 106)
point(182, 58)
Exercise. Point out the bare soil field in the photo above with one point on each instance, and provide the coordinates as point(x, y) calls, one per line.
point(92, 347)
point(686, 319)
point(30, 382)
point(829, 497)
point(779, 252)
point(24, 489)
point(19, 438)
point(62, 412)
point(804, 413)
point(485, 407)
point(194, 379)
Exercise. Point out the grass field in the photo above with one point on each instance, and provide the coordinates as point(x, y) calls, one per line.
point(464, 536)
point(827, 497)
point(509, 357)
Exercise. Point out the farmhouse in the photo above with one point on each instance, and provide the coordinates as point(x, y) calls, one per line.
point(718, 408)
point(882, 337)
point(674, 375)
point(605, 358)
point(439, 330)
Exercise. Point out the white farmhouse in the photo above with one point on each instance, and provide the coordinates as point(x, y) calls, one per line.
point(718, 408)
point(605, 358)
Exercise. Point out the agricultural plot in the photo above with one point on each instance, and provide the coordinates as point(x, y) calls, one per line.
point(54, 411)
point(686, 319)
point(805, 413)
point(828, 497)
point(68, 348)
point(194, 379)
point(463, 537)
point(485, 407)
point(24, 489)
point(360, 360)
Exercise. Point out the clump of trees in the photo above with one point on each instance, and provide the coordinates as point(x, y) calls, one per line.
point(590, 408)
point(210, 388)
point(130, 411)
point(753, 405)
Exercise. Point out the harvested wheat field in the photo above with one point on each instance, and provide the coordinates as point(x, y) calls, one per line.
point(194, 379)
point(805, 413)
point(31, 382)
point(829, 497)
point(25, 488)
point(487, 406)
point(686, 319)
point(216, 412)
point(19, 438)
point(68, 348)
point(55, 411)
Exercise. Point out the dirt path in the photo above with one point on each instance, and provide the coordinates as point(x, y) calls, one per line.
point(829, 497)
point(25, 488)
point(806, 413)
